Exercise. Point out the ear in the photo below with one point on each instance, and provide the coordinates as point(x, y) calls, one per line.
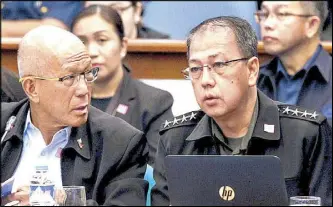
point(137, 13)
point(253, 70)
point(312, 26)
point(31, 89)
point(123, 49)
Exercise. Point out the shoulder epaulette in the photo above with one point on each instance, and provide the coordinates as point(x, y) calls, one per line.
point(189, 118)
point(300, 113)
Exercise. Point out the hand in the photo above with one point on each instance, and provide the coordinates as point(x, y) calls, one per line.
point(21, 195)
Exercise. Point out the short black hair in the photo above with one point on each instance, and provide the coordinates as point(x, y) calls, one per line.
point(245, 35)
point(107, 13)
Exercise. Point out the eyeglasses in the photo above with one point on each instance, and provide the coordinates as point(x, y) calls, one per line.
point(191, 73)
point(261, 16)
point(71, 80)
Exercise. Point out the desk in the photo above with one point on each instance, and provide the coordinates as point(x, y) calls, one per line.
point(149, 59)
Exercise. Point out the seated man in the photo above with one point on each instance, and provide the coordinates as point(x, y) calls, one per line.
point(131, 14)
point(83, 145)
point(238, 119)
point(18, 17)
point(11, 89)
point(301, 72)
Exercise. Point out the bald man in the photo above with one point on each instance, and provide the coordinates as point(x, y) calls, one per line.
point(81, 145)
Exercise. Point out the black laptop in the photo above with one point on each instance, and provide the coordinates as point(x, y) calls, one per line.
point(225, 180)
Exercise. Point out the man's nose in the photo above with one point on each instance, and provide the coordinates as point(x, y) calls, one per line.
point(82, 86)
point(207, 78)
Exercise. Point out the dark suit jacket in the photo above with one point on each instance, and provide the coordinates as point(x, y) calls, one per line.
point(111, 164)
point(147, 106)
point(11, 89)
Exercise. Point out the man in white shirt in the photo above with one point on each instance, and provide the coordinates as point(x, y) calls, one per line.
point(81, 145)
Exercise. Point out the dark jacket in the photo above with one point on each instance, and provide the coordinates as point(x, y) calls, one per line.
point(145, 32)
point(111, 165)
point(147, 108)
point(303, 143)
point(316, 91)
point(11, 89)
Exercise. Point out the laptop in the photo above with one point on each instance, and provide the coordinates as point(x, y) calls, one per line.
point(225, 180)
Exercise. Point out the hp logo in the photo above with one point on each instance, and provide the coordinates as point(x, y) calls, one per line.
point(227, 193)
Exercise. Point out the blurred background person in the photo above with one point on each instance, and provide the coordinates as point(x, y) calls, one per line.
point(176, 18)
point(131, 14)
point(301, 72)
point(115, 91)
point(11, 89)
point(326, 34)
point(18, 17)
point(145, 107)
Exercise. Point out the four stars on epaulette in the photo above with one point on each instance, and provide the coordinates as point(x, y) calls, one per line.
point(302, 114)
point(183, 119)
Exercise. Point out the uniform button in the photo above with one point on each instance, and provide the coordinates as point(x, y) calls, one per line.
point(43, 9)
point(43, 153)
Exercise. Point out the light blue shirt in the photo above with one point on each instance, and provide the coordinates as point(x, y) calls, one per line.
point(289, 87)
point(36, 152)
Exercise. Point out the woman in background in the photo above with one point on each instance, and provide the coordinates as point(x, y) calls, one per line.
point(115, 91)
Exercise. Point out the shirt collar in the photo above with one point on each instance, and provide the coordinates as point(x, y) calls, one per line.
point(216, 131)
point(318, 59)
point(324, 64)
point(268, 119)
point(201, 130)
point(75, 134)
point(30, 126)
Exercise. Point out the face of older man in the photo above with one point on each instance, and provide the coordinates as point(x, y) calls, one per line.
point(59, 103)
point(68, 104)
point(219, 94)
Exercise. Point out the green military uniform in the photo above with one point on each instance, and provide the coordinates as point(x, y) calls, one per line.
point(301, 138)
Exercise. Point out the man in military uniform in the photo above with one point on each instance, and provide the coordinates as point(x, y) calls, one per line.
point(19, 17)
point(238, 119)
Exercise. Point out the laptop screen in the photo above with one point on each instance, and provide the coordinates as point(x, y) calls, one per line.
point(225, 180)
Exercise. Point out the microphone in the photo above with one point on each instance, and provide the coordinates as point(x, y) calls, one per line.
point(9, 126)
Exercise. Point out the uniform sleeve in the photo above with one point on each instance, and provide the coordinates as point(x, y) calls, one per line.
point(163, 111)
point(64, 11)
point(128, 187)
point(320, 166)
point(159, 193)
